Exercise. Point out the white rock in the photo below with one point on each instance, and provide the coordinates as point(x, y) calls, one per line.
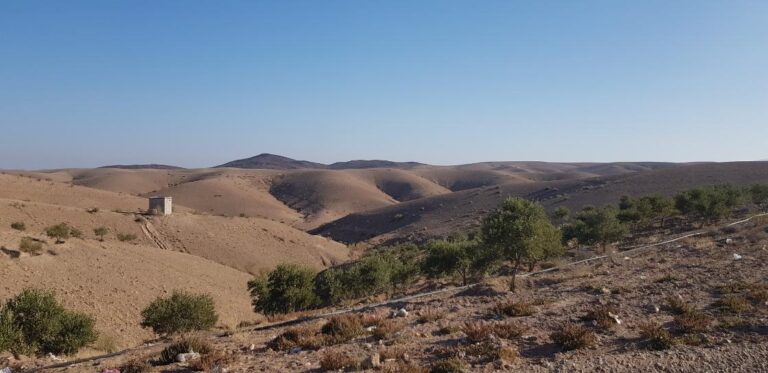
point(181, 358)
point(54, 357)
point(402, 313)
point(370, 328)
point(736, 256)
point(252, 347)
point(615, 318)
point(728, 241)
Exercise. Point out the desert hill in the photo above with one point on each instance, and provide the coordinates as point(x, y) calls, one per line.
point(443, 214)
point(271, 162)
point(151, 166)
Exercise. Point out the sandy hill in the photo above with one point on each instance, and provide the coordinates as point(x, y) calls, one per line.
point(442, 214)
point(248, 244)
point(272, 162)
point(114, 281)
point(374, 163)
point(151, 166)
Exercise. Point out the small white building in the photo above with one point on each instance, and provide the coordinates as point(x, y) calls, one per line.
point(161, 205)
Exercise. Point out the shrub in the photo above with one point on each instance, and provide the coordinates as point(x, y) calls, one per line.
point(179, 313)
point(182, 346)
point(342, 328)
point(477, 331)
point(508, 330)
point(430, 314)
point(211, 361)
point(452, 365)
point(490, 351)
point(136, 366)
point(288, 288)
point(76, 233)
point(709, 203)
point(302, 336)
point(693, 322)
point(595, 226)
point(60, 232)
point(404, 367)
point(513, 309)
point(34, 321)
point(678, 306)
point(126, 237)
point(601, 315)
point(462, 257)
point(337, 360)
point(101, 232)
point(388, 328)
point(733, 304)
point(654, 337)
point(29, 245)
point(573, 337)
point(19, 226)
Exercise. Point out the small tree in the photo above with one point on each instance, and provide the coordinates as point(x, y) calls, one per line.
point(101, 232)
point(596, 226)
point(709, 203)
point(287, 288)
point(182, 312)
point(60, 232)
point(463, 257)
point(520, 231)
point(34, 321)
point(759, 193)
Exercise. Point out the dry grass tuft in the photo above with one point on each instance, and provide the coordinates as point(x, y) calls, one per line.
point(733, 304)
point(388, 328)
point(403, 367)
point(136, 366)
point(430, 314)
point(452, 365)
point(30, 246)
point(342, 328)
point(184, 345)
point(512, 309)
point(574, 337)
point(693, 322)
point(373, 318)
point(393, 352)
point(302, 336)
point(601, 316)
point(477, 331)
point(213, 361)
point(490, 351)
point(678, 306)
point(654, 337)
point(337, 360)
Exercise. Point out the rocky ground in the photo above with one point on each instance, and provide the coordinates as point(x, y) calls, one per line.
point(720, 277)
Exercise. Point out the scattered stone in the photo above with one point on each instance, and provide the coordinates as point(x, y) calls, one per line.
point(54, 357)
point(614, 317)
point(729, 241)
point(605, 290)
point(373, 361)
point(401, 313)
point(736, 256)
point(182, 358)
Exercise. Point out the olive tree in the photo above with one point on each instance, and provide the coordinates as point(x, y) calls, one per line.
point(595, 226)
point(519, 230)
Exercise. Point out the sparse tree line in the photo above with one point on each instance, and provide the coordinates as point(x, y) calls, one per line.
point(517, 233)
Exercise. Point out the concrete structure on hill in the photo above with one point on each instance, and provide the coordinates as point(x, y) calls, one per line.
point(161, 205)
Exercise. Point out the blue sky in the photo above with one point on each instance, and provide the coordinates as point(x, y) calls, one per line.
point(198, 83)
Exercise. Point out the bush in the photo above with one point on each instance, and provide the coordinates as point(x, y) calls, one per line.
point(462, 257)
point(601, 315)
point(573, 337)
point(181, 312)
point(596, 226)
point(288, 288)
point(733, 304)
point(183, 346)
point(654, 337)
point(29, 245)
point(34, 322)
point(388, 328)
point(210, 361)
point(336, 360)
point(60, 232)
point(136, 366)
point(75, 233)
point(452, 365)
point(302, 336)
point(678, 306)
point(101, 232)
point(430, 314)
point(342, 328)
point(478, 331)
point(19, 226)
point(693, 322)
point(709, 203)
point(125, 237)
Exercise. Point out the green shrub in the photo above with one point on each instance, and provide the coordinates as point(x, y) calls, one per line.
point(462, 257)
point(593, 226)
point(60, 232)
point(181, 312)
point(76, 233)
point(19, 226)
point(288, 288)
point(709, 203)
point(34, 322)
point(29, 245)
point(101, 232)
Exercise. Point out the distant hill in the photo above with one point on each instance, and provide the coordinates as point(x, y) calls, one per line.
point(272, 162)
point(151, 166)
point(375, 163)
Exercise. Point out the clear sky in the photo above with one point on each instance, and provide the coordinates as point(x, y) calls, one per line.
point(199, 83)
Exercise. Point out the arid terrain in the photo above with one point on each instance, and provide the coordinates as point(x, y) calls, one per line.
point(246, 217)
